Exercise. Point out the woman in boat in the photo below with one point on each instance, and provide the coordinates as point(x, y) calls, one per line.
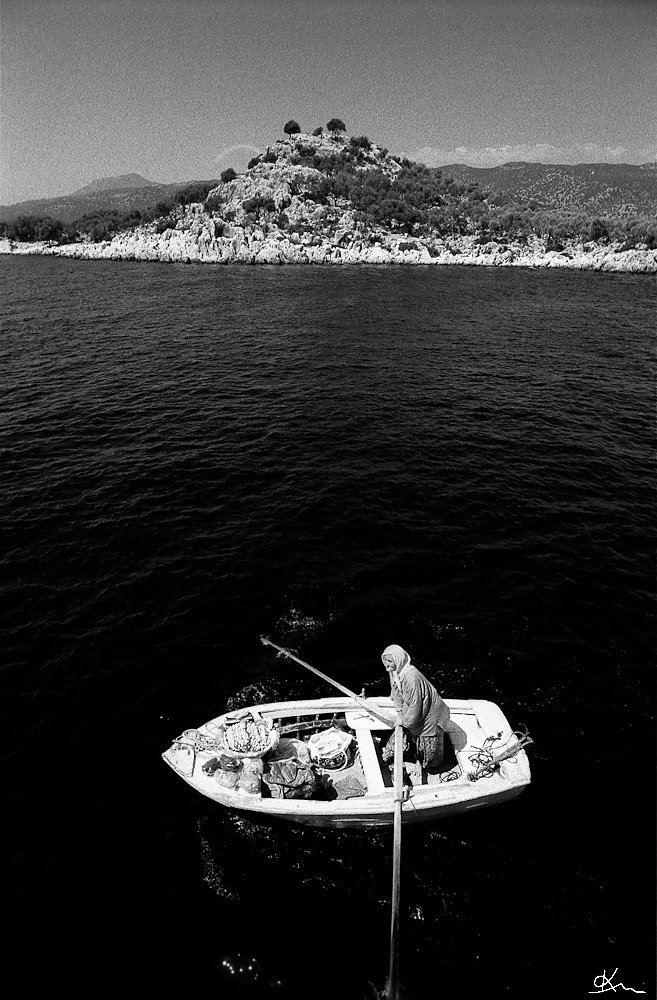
point(425, 716)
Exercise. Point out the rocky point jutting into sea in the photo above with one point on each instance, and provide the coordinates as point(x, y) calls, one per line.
point(315, 199)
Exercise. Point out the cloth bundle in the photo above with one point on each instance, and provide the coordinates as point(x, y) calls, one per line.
point(290, 779)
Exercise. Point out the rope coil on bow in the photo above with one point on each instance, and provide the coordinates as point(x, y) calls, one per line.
point(198, 742)
point(486, 762)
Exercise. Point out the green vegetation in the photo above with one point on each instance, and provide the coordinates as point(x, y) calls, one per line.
point(424, 201)
point(258, 204)
point(103, 224)
point(291, 127)
point(194, 192)
point(336, 125)
point(214, 203)
point(28, 228)
point(228, 175)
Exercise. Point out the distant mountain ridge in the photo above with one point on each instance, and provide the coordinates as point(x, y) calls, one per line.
point(605, 189)
point(121, 182)
point(123, 193)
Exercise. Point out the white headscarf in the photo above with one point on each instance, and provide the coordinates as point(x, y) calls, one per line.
point(398, 656)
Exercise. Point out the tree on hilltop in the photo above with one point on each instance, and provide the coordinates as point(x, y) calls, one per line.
point(318, 130)
point(291, 128)
point(336, 125)
point(228, 175)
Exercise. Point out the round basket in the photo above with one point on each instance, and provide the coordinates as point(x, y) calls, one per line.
point(330, 749)
point(259, 733)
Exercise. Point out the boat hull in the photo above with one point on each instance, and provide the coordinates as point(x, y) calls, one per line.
point(473, 722)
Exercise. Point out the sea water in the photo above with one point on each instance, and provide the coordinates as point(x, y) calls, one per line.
point(457, 460)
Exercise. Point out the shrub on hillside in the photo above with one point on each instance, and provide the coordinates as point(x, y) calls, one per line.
point(291, 128)
point(318, 131)
point(553, 246)
point(228, 175)
point(598, 230)
point(27, 228)
point(195, 192)
point(258, 203)
point(336, 125)
point(214, 203)
point(253, 162)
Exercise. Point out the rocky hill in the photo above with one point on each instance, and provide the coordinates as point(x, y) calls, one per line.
point(617, 190)
point(332, 198)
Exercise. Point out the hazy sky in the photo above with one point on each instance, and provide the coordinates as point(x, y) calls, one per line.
point(179, 89)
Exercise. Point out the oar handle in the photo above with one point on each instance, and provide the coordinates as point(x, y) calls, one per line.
point(345, 690)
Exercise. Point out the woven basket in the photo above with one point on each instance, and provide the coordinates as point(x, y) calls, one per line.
point(273, 736)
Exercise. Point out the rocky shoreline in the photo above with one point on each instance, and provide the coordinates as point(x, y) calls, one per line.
point(196, 244)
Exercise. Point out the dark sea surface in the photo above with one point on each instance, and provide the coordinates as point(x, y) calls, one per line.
point(457, 460)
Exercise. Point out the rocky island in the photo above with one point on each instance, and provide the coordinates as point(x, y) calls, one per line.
point(329, 198)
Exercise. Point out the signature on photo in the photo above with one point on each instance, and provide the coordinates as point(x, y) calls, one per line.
point(605, 983)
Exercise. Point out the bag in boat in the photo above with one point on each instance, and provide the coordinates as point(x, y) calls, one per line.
point(227, 779)
point(227, 771)
point(288, 749)
point(290, 779)
point(250, 777)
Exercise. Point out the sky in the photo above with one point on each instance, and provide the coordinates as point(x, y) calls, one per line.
point(177, 90)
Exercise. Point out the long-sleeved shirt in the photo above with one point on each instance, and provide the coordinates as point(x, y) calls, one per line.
point(424, 713)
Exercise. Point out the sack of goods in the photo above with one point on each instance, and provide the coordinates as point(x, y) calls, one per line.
point(249, 781)
point(290, 779)
point(330, 749)
point(290, 748)
point(246, 734)
point(240, 775)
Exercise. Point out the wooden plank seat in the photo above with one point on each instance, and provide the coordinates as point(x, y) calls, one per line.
point(369, 761)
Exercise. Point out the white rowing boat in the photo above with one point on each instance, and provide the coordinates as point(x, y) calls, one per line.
point(485, 763)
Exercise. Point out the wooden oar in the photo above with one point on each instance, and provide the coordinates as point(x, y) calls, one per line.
point(386, 720)
point(392, 986)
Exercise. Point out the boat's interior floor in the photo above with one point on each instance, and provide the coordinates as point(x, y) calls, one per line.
point(366, 773)
point(351, 781)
